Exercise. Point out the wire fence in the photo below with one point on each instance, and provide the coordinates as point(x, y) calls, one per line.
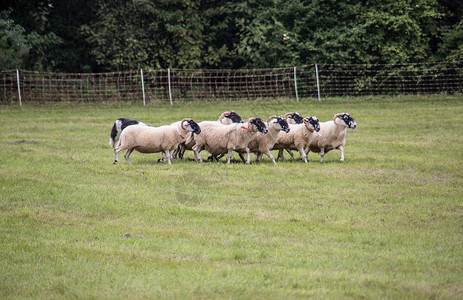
point(174, 85)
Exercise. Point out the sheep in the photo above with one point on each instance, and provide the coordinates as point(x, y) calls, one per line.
point(226, 118)
point(147, 139)
point(299, 137)
point(333, 135)
point(218, 139)
point(262, 143)
point(120, 125)
point(294, 118)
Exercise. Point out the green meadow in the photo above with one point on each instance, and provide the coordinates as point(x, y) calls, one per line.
point(385, 223)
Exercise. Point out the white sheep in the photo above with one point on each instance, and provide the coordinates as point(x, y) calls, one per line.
point(262, 143)
point(299, 137)
point(147, 139)
point(226, 118)
point(333, 135)
point(291, 118)
point(120, 125)
point(218, 139)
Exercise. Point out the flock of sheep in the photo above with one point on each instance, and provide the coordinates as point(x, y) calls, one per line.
point(230, 133)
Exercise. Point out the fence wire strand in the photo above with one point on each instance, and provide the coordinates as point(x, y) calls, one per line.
point(204, 85)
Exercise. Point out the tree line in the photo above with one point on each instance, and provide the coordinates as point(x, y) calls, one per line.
point(117, 35)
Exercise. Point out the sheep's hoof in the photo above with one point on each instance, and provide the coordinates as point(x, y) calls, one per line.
point(115, 162)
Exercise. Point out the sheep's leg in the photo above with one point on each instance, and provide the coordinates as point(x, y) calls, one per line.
point(127, 156)
point(175, 152)
point(269, 156)
point(307, 150)
point(342, 153)
point(196, 151)
point(241, 156)
point(248, 158)
point(281, 155)
point(180, 151)
point(168, 156)
point(259, 156)
point(163, 159)
point(303, 155)
point(322, 153)
point(198, 157)
point(213, 158)
point(290, 153)
point(229, 156)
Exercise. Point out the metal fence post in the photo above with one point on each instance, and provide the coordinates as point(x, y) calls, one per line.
point(143, 86)
point(318, 83)
point(170, 88)
point(19, 88)
point(295, 85)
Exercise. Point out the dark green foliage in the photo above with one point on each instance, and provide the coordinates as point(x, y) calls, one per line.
point(13, 42)
point(83, 36)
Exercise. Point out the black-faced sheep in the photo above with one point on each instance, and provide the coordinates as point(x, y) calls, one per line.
point(262, 143)
point(299, 136)
point(332, 135)
point(293, 118)
point(226, 118)
point(219, 139)
point(147, 139)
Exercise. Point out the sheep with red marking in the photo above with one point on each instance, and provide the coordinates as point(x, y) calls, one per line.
point(219, 139)
point(299, 137)
point(262, 143)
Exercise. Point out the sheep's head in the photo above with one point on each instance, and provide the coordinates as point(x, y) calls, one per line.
point(230, 117)
point(190, 125)
point(281, 121)
point(236, 118)
point(347, 119)
point(283, 124)
point(295, 116)
point(312, 123)
point(259, 124)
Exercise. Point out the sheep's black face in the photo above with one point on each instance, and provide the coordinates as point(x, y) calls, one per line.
point(348, 120)
point(298, 119)
point(260, 125)
point(283, 124)
point(235, 117)
point(194, 127)
point(313, 121)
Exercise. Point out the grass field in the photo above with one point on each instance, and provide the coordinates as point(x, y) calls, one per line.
point(386, 223)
